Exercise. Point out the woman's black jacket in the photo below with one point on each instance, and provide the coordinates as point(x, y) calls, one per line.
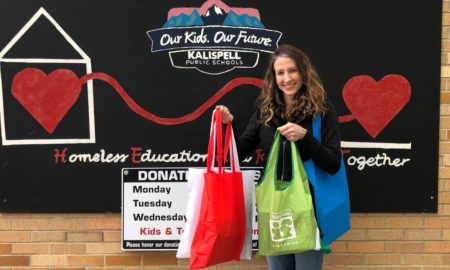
point(325, 154)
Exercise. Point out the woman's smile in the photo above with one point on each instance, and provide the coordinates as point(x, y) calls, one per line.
point(288, 78)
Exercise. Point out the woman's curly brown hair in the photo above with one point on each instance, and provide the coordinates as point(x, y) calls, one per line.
point(309, 100)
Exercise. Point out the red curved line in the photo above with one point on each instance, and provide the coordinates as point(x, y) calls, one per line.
point(171, 121)
point(346, 118)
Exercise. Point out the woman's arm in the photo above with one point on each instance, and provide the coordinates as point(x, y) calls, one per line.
point(248, 141)
point(327, 153)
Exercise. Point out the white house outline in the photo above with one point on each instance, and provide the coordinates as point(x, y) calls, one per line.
point(83, 60)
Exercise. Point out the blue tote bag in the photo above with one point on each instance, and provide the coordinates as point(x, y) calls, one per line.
point(331, 197)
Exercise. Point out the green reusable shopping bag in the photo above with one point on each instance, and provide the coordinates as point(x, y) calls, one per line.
point(286, 220)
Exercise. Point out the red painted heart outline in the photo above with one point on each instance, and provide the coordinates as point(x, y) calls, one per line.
point(47, 98)
point(375, 104)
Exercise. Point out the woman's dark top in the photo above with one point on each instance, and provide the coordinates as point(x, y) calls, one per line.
point(325, 154)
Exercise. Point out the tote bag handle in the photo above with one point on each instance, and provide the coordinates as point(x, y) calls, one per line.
point(230, 147)
point(215, 141)
point(271, 165)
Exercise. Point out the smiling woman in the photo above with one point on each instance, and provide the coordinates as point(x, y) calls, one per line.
point(292, 96)
point(288, 79)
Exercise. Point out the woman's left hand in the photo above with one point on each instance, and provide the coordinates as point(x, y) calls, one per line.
point(292, 132)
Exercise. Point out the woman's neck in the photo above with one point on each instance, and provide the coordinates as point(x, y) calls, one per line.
point(289, 102)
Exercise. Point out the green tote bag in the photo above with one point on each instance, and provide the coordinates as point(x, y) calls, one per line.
point(286, 220)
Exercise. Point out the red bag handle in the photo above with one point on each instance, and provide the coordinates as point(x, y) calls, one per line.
point(229, 147)
point(215, 139)
point(223, 148)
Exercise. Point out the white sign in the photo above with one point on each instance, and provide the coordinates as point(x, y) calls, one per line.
point(153, 208)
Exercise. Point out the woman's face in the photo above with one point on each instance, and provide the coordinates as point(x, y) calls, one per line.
point(288, 77)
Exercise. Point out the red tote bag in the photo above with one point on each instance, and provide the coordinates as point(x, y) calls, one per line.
point(220, 231)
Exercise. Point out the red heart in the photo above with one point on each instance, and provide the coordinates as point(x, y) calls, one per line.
point(375, 104)
point(47, 98)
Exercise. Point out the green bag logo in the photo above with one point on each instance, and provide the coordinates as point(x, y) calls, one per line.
point(282, 226)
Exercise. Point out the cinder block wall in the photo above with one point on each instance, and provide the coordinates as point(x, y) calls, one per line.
point(376, 242)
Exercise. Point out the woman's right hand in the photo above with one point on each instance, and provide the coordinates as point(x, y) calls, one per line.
point(226, 114)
